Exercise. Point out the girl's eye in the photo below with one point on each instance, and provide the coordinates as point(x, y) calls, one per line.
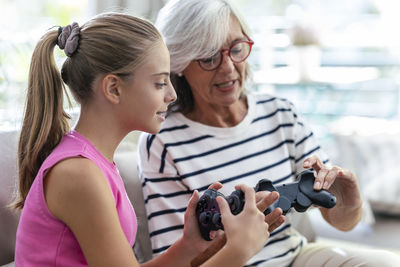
point(161, 85)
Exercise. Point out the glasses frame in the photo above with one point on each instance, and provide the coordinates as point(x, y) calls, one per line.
point(222, 51)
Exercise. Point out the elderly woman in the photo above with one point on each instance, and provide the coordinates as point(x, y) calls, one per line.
point(217, 131)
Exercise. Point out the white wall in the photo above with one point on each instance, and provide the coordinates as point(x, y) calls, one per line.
point(142, 8)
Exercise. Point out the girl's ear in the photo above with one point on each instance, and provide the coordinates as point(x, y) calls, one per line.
point(111, 88)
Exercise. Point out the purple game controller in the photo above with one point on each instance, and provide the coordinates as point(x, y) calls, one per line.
point(300, 195)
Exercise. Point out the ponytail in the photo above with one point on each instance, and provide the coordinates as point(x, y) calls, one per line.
point(45, 121)
point(109, 43)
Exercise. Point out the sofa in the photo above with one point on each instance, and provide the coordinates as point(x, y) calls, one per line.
point(125, 159)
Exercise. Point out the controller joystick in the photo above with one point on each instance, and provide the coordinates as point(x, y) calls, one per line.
point(300, 195)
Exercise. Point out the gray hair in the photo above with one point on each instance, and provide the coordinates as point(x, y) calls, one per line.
point(194, 29)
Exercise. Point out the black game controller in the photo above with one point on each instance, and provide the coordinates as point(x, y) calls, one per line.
point(300, 195)
point(208, 214)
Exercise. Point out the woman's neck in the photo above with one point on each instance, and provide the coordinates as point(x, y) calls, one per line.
point(223, 117)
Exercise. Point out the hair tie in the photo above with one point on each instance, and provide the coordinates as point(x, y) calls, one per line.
point(68, 38)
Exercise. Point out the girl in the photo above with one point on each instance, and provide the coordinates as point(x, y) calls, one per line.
point(75, 210)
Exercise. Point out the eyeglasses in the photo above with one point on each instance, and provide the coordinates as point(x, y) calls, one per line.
point(237, 52)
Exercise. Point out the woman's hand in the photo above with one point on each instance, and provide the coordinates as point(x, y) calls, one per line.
point(344, 185)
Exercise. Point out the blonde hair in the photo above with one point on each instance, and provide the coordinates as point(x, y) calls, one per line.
point(109, 43)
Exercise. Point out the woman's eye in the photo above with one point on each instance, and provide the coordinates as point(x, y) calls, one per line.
point(236, 51)
point(207, 60)
point(210, 60)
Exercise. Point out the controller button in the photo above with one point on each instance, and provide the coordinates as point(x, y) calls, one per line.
point(204, 218)
point(216, 220)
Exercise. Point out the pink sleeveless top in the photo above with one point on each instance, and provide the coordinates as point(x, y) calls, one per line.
point(42, 239)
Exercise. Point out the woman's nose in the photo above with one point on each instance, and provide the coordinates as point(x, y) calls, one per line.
point(227, 65)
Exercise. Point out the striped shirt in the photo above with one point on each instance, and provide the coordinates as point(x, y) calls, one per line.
point(270, 142)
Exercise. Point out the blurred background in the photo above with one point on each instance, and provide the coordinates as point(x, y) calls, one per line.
point(338, 61)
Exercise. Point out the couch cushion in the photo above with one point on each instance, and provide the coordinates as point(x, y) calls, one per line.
point(126, 162)
point(8, 175)
point(371, 148)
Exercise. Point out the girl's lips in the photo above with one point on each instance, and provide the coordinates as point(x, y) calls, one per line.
point(162, 114)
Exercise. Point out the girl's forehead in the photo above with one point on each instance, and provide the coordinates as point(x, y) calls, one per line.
point(157, 59)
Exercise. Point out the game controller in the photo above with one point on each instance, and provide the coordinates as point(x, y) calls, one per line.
point(300, 195)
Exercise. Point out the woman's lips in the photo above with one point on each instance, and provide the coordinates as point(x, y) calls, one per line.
point(226, 86)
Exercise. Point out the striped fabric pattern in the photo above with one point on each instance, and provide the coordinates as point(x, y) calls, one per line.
point(271, 142)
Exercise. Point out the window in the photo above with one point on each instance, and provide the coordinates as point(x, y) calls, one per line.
point(358, 47)
point(19, 34)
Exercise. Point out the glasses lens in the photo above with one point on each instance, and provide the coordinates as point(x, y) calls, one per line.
point(211, 62)
point(240, 51)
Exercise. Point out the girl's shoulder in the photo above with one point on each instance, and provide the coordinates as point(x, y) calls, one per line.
point(72, 181)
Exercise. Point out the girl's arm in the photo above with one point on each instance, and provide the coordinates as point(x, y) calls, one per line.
point(248, 227)
point(78, 194)
point(188, 246)
point(246, 233)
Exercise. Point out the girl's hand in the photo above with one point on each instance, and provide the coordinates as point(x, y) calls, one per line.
point(191, 232)
point(248, 227)
point(264, 199)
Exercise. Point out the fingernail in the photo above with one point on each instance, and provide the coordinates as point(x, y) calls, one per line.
point(326, 185)
point(317, 185)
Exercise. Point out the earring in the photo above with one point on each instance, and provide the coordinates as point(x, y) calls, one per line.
point(180, 74)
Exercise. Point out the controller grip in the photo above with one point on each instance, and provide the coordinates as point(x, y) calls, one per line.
point(322, 197)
